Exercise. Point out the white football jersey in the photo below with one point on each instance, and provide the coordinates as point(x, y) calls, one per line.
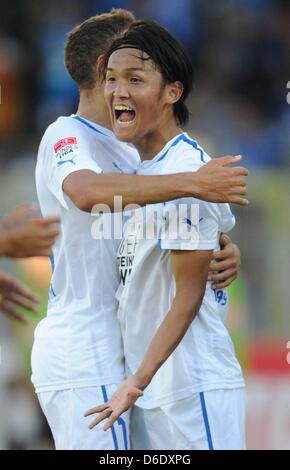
point(78, 343)
point(205, 358)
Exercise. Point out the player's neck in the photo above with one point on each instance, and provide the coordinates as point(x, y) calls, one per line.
point(92, 106)
point(150, 145)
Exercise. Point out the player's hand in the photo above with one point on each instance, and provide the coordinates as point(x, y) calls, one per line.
point(13, 294)
point(24, 233)
point(225, 264)
point(121, 401)
point(218, 182)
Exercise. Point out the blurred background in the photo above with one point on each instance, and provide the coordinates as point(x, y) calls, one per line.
point(241, 53)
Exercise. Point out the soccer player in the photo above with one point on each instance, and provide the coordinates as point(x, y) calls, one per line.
point(176, 345)
point(77, 357)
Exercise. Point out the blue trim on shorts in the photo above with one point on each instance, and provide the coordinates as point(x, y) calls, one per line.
point(122, 423)
point(105, 396)
point(206, 422)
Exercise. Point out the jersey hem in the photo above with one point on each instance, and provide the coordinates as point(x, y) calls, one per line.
point(57, 386)
point(187, 392)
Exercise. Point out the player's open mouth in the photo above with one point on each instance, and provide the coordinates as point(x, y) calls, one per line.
point(124, 115)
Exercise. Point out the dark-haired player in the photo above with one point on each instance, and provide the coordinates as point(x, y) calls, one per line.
point(177, 348)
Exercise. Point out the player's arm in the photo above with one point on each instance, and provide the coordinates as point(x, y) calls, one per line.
point(214, 182)
point(24, 233)
point(190, 269)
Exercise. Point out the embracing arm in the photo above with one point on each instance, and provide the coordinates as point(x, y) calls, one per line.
point(190, 269)
point(213, 182)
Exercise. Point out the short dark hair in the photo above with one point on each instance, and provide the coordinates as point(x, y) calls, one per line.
point(87, 41)
point(166, 52)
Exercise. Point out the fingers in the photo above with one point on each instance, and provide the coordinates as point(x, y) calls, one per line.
point(236, 193)
point(46, 237)
point(51, 220)
point(97, 409)
point(224, 284)
point(22, 301)
point(223, 276)
point(228, 160)
point(12, 285)
point(240, 201)
point(226, 253)
point(221, 266)
point(105, 414)
point(239, 189)
point(216, 257)
point(46, 240)
point(19, 213)
point(28, 211)
point(111, 420)
point(45, 227)
point(19, 288)
point(113, 409)
point(224, 266)
point(240, 171)
point(52, 233)
point(224, 240)
point(12, 313)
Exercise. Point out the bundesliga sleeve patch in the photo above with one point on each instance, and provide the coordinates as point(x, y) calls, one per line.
point(65, 150)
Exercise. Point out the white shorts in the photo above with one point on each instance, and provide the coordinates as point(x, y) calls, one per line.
point(64, 411)
point(211, 420)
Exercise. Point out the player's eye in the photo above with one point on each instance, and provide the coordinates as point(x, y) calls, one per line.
point(135, 80)
point(110, 79)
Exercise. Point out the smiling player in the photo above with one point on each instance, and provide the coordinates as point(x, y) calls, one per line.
point(177, 347)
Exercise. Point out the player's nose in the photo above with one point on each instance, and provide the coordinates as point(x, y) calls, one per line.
point(121, 90)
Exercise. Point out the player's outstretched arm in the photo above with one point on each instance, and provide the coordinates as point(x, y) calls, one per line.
point(24, 233)
point(215, 181)
point(225, 264)
point(190, 270)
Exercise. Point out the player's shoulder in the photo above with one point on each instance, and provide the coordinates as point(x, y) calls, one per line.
point(61, 127)
point(61, 136)
point(186, 155)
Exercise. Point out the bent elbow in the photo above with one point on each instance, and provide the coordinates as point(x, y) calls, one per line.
point(94, 202)
point(83, 202)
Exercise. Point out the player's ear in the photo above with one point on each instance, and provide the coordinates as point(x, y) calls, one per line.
point(174, 92)
point(100, 66)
